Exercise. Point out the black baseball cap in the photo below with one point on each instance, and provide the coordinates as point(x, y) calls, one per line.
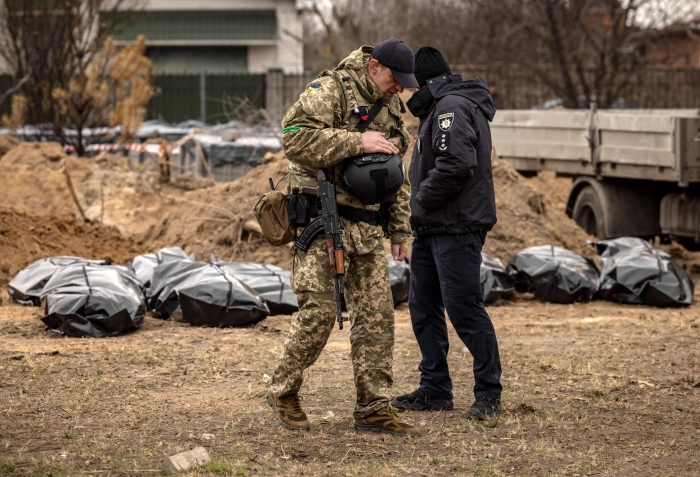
point(398, 57)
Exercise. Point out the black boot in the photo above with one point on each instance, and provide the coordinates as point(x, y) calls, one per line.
point(485, 408)
point(419, 401)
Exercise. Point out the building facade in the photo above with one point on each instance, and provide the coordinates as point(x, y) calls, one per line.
point(218, 36)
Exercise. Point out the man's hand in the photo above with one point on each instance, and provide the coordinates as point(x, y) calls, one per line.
point(398, 251)
point(373, 141)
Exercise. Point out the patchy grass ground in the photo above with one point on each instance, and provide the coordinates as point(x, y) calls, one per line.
point(596, 389)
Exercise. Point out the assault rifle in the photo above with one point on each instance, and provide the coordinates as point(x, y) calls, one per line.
point(330, 224)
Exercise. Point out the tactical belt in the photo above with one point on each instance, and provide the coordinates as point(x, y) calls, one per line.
point(358, 215)
point(349, 213)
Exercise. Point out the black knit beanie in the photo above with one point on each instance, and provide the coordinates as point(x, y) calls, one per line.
point(429, 63)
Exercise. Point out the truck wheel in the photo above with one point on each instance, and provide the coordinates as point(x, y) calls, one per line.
point(588, 213)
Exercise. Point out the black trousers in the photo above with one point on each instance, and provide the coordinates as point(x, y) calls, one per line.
point(445, 275)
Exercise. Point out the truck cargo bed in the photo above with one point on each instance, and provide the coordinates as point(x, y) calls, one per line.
point(659, 145)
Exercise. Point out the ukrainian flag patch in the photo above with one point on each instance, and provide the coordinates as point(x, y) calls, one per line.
point(314, 86)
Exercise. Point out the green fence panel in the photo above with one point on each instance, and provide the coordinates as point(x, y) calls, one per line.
point(224, 94)
point(179, 98)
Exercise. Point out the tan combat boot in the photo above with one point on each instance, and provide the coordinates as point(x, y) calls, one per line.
point(288, 411)
point(387, 421)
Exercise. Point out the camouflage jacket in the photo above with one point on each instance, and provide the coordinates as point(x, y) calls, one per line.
point(319, 132)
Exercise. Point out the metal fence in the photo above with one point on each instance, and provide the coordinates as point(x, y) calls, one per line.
point(294, 85)
point(206, 97)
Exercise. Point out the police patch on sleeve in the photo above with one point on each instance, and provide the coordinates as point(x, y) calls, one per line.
point(445, 121)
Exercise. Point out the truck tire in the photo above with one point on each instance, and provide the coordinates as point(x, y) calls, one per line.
point(588, 213)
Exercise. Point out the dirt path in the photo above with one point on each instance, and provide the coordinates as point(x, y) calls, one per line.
point(589, 390)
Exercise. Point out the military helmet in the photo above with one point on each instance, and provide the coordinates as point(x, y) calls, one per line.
point(373, 178)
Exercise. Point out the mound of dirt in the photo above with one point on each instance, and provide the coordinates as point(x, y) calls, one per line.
point(31, 180)
point(213, 220)
point(25, 238)
point(35, 154)
point(530, 213)
point(203, 218)
point(36, 178)
point(190, 181)
point(7, 143)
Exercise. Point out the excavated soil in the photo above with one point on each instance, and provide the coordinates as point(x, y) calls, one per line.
point(39, 217)
point(530, 213)
point(7, 143)
point(26, 237)
point(213, 220)
point(204, 218)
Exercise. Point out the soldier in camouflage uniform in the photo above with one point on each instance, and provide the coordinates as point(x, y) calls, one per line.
point(319, 132)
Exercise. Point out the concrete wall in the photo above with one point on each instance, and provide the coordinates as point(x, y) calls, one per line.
point(290, 48)
point(260, 58)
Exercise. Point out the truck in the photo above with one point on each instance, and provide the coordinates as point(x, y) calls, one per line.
point(635, 172)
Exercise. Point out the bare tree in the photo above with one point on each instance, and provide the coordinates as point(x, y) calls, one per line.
point(334, 29)
point(576, 50)
point(73, 67)
point(582, 50)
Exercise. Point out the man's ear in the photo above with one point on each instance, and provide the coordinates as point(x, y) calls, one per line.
point(373, 66)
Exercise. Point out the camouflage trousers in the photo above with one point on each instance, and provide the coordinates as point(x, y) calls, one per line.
point(371, 310)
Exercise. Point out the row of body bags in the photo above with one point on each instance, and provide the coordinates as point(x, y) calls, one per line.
point(632, 271)
point(93, 298)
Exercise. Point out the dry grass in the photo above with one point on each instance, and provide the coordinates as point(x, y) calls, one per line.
point(597, 389)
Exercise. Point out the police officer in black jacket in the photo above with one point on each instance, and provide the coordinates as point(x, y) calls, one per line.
point(452, 209)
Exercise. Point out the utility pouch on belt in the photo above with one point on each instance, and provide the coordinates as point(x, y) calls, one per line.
point(272, 214)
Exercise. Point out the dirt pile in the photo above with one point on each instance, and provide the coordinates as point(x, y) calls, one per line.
point(31, 180)
point(36, 178)
point(26, 237)
point(7, 143)
point(113, 193)
point(529, 213)
point(213, 220)
point(204, 218)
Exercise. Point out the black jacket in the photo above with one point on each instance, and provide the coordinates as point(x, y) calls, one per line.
point(450, 174)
